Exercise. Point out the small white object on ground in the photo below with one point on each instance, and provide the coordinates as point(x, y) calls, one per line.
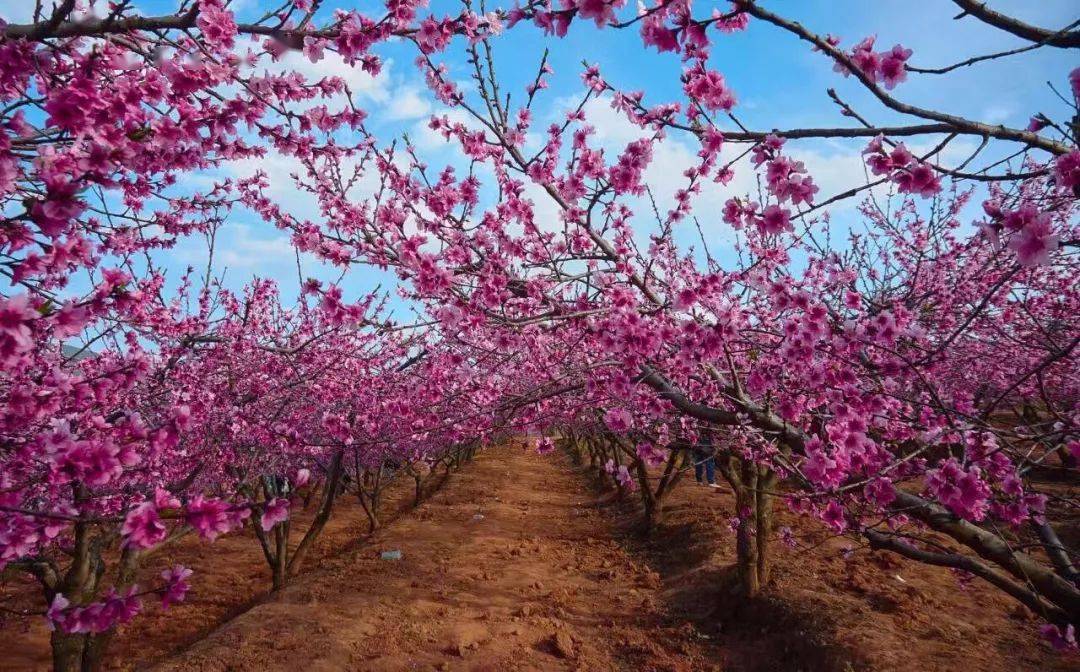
point(391, 555)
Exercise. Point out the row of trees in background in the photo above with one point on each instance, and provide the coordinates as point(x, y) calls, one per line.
point(910, 383)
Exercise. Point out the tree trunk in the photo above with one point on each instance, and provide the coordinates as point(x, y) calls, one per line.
point(1066, 456)
point(370, 511)
point(275, 542)
point(763, 512)
point(653, 511)
point(326, 507)
point(80, 652)
point(281, 552)
point(650, 502)
point(753, 507)
point(94, 653)
point(745, 537)
point(369, 489)
point(67, 651)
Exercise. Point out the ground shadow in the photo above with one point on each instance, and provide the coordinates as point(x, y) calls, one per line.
point(692, 551)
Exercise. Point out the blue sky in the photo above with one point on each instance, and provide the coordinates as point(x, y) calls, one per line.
point(779, 82)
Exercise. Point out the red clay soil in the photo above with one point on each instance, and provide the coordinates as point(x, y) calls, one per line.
point(509, 567)
point(831, 606)
point(230, 576)
point(519, 564)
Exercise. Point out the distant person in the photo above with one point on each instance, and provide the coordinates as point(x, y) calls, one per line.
point(704, 465)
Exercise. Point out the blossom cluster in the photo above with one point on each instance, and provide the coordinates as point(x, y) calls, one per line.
point(911, 175)
point(888, 67)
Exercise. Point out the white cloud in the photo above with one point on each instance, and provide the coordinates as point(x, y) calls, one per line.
point(426, 139)
point(836, 167)
point(239, 246)
point(407, 102)
point(997, 114)
point(360, 83)
point(665, 173)
point(282, 187)
point(247, 251)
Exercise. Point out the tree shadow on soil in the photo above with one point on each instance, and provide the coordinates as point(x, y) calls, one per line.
point(693, 554)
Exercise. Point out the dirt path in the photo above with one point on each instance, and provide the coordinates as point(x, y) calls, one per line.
point(510, 567)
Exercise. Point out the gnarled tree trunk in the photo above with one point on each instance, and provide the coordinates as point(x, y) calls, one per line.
point(752, 485)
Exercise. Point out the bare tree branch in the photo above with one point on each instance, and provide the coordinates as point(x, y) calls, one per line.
point(980, 11)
